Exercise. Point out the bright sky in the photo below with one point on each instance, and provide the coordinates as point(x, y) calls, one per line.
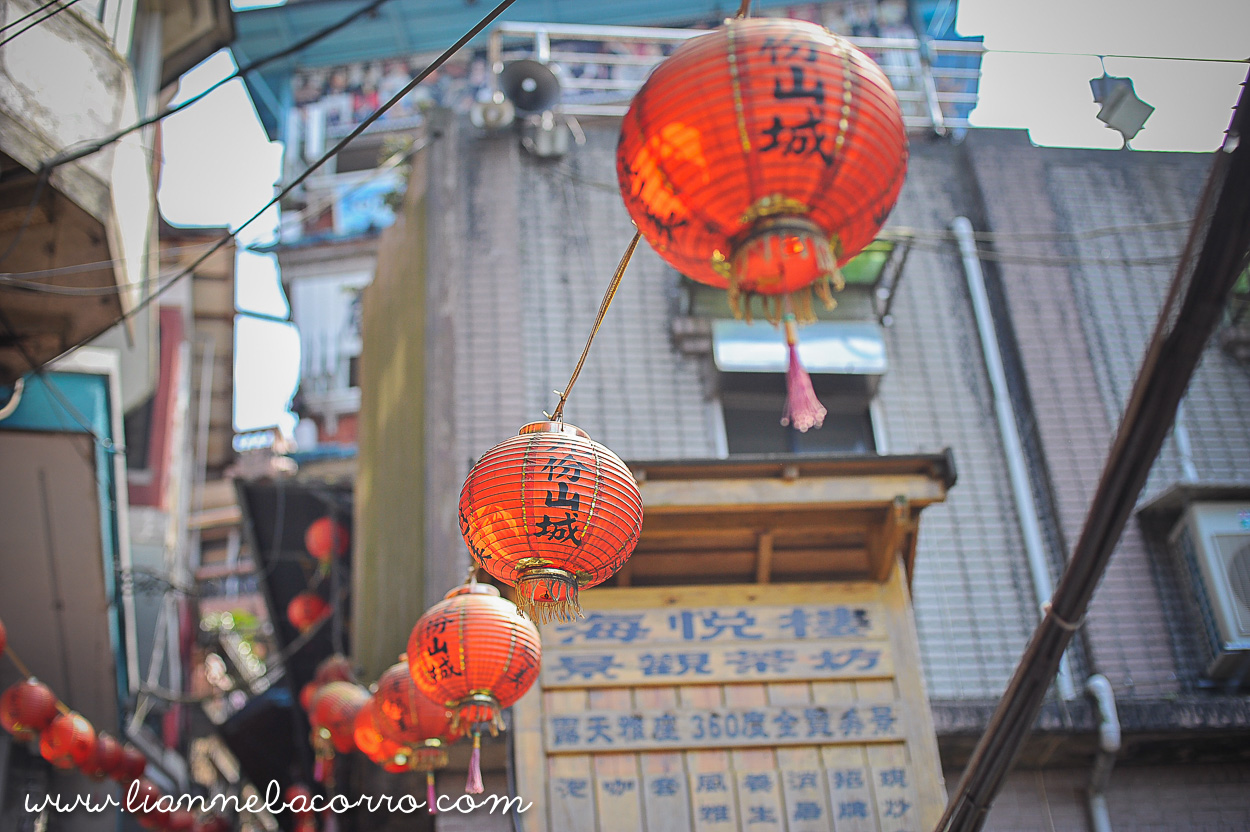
point(219, 167)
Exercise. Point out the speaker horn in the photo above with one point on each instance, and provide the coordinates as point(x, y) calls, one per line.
point(530, 85)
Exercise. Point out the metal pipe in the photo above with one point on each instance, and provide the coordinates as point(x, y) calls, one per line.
point(1013, 447)
point(1099, 689)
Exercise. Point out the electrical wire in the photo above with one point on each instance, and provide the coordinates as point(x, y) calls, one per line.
point(66, 156)
point(29, 15)
point(1127, 57)
point(28, 27)
point(325, 157)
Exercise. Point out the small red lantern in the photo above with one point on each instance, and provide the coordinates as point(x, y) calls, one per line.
point(473, 653)
point(307, 610)
point(405, 715)
point(762, 156)
point(179, 820)
point(333, 721)
point(299, 798)
point(326, 539)
point(306, 694)
point(106, 759)
point(26, 708)
point(68, 741)
point(131, 767)
point(335, 668)
point(549, 511)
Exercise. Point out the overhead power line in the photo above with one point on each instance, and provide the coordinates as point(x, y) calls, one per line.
point(28, 27)
point(293, 184)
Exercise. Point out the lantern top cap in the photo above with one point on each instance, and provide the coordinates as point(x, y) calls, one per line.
point(553, 427)
point(472, 589)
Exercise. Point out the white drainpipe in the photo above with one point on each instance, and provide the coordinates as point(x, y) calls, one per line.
point(1100, 691)
point(1013, 448)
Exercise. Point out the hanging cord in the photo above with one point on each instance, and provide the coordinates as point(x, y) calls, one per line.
point(558, 415)
point(25, 671)
point(744, 10)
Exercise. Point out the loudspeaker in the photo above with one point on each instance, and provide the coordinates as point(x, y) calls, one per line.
point(492, 115)
point(530, 85)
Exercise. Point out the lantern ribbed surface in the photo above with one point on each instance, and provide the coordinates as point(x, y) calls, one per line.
point(335, 668)
point(475, 654)
point(68, 741)
point(761, 156)
point(550, 511)
point(365, 730)
point(26, 708)
point(401, 712)
point(333, 716)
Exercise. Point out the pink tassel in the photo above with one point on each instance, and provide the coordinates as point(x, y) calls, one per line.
point(319, 770)
point(430, 797)
point(474, 783)
point(803, 409)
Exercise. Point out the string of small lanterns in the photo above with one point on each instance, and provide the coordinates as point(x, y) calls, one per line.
point(30, 711)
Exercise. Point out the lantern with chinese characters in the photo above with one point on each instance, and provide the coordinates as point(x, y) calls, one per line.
point(326, 539)
point(547, 512)
point(333, 721)
point(762, 156)
point(402, 713)
point(306, 611)
point(26, 708)
point(68, 741)
point(106, 759)
point(475, 655)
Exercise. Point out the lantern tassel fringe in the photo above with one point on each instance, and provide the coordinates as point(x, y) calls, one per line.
point(548, 595)
point(430, 797)
point(803, 410)
point(474, 784)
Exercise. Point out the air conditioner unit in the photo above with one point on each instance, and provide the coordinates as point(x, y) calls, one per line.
point(1212, 541)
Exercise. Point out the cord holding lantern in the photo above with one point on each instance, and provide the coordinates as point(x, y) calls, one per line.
point(550, 511)
point(760, 158)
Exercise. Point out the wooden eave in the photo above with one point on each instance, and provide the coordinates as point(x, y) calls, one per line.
point(782, 518)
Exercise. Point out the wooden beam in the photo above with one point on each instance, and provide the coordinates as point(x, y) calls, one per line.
point(897, 522)
point(661, 496)
point(764, 558)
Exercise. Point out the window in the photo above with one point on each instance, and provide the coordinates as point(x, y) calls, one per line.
point(753, 404)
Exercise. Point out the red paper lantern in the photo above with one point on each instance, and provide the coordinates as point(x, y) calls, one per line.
point(326, 539)
point(335, 668)
point(131, 767)
point(549, 511)
point(306, 694)
point(179, 820)
point(474, 654)
point(68, 741)
point(306, 610)
point(365, 731)
point(761, 156)
point(26, 708)
point(333, 720)
point(106, 759)
point(402, 713)
point(301, 793)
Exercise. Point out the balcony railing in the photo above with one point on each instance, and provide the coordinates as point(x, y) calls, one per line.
point(600, 68)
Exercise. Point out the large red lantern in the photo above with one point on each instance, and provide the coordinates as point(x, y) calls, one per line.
point(473, 653)
point(26, 708)
point(547, 512)
point(762, 156)
point(307, 610)
point(68, 741)
point(326, 539)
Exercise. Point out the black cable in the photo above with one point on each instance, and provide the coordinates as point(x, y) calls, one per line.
point(66, 156)
point(325, 157)
point(29, 15)
point(26, 29)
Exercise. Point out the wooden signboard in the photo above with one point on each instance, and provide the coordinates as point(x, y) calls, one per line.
point(793, 707)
